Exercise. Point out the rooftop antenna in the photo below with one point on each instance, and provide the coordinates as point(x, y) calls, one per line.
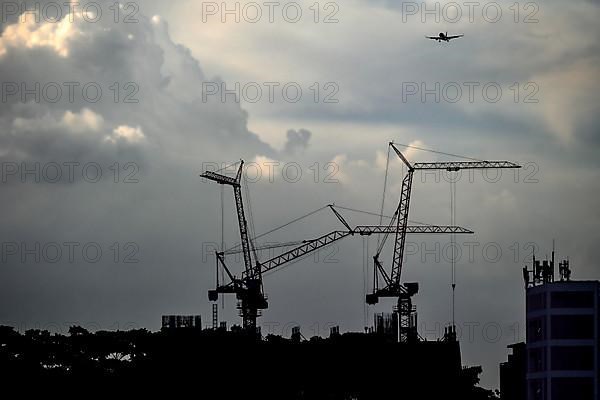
point(564, 270)
point(534, 268)
point(552, 261)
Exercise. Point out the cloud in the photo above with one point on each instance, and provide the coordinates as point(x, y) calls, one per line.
point(127, 133)
point(30, 34)
point(571, 98)
point(161, 77)
point(147, 154)
point(165, 139)
point(296, 140)
point(82, 121)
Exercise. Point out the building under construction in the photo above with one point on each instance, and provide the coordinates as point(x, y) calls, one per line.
point(389, 360)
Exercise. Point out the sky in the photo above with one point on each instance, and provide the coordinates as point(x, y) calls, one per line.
point(109, 114)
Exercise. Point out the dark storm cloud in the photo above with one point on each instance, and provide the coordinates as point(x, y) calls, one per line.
point(149, 153)
point(148, 213)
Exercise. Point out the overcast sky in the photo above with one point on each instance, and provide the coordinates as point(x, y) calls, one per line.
point(319, 99)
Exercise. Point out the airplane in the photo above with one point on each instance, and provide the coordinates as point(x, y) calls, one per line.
point(444, 37)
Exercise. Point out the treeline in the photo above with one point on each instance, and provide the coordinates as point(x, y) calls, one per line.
point(233, 364)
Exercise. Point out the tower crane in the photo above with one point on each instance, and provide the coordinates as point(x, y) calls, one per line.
point(248, 288)
point(392, 282)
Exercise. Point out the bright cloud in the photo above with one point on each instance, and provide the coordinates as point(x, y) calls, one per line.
point(86, 120)
point(127, 133)
point(29, 34)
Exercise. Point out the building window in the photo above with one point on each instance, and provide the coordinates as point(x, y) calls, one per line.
point(579, 299)
point(536, 302)
point(535, 388)
point(535, 329)
point(572, 388)
point(536, 360)
point(572, 327)
point(572, 358)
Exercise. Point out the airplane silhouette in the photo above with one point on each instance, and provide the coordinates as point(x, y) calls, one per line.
point(444, 37)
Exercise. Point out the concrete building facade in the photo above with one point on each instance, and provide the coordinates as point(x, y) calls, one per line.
point(563, 342)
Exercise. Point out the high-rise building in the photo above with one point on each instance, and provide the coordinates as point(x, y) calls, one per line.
point(563, 334)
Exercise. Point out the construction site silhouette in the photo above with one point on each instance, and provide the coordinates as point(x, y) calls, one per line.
point(339, 367)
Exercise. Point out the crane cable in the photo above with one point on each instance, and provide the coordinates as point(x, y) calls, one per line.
point(377, 215)
point(220, 267)
point(385, 179)
point(282, 226)
point(380, 241)
point(437, 152)
point(366, 280)
point(226, 167)
point(453, 243)
point(268, 246)
point(251, 233)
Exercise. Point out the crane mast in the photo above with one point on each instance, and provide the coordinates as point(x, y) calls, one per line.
point(402, 222)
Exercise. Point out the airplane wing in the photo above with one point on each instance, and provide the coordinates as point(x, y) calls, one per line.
point(454, 37)
point(432, 37)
